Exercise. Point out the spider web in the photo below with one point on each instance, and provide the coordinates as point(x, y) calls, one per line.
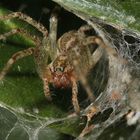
point(122, 88)
point(14, 124)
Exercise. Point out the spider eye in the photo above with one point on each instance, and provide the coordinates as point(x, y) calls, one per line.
point(60, 69)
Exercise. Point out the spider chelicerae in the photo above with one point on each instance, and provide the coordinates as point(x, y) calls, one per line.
point(71, 58)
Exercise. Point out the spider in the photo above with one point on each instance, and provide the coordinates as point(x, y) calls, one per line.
point(70, 55)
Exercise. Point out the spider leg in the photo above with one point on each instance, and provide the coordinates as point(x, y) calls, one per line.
point(95, 57)
point(84, 28)
point(20, 31)
point(98, 40)
point(5, 35)
point(27, 19)
point(46, 89)
point(50, 42)
point(13, 59)
point(87, 88)
point(18, 54)
point(53, 27)
point(74, 96)
point(84, 81)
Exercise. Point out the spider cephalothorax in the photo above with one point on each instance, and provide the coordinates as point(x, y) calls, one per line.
point(70, 56)
point(61, 72)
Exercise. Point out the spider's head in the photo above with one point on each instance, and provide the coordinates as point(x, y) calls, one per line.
point(61, 72)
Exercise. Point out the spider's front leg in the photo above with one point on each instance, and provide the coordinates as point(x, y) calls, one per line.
point(53, 27)
point(74, 96)
point(47, 51)
point(47, 92)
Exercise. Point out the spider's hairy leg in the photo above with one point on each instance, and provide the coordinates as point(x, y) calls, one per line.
point(5, 35)
point(50, 42)
point(19, 54)
point(27, 19)
point(13, 59)
point(53, 27)
point(19, 31)
point(84, 81)
point(84, 28)
point(95, 57)
point(87, 87)
point(74, 96)
point(99, 41)
point(53, 31)
point(46, 89)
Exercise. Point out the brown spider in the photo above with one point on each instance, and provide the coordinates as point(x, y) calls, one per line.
point(70, 56)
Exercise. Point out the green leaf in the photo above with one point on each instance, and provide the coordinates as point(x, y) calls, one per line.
point(124, 13)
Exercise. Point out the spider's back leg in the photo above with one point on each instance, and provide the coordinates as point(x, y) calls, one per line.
point(74, 96)
point(19, 54)
point(84, 28)
point(26, 18)
point(13, 59)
